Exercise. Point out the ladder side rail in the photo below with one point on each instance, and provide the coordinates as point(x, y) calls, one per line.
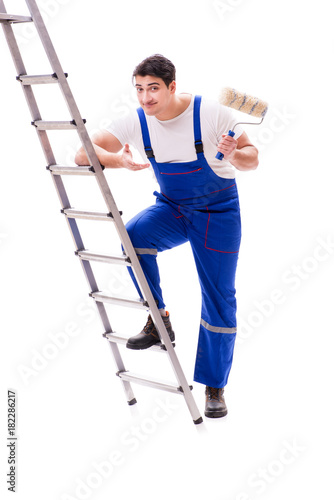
point(120, 366)
point(116, 353)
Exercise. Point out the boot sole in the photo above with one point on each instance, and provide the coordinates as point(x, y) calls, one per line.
point(140, 348)
point(215, 414)
point(147, 346)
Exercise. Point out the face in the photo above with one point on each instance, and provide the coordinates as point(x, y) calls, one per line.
point(154, 96)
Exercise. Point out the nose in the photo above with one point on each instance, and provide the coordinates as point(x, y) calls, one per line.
point(146, 97)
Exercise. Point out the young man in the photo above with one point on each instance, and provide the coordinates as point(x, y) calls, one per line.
point(180, 135)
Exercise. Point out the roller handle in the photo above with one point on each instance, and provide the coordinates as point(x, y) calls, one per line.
point(220, 156)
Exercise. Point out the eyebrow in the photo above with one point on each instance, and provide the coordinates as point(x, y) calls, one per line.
point(149, 84)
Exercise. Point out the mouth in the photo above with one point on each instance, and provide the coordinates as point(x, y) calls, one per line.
point(150, 104)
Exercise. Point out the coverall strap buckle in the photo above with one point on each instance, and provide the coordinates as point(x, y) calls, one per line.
point(199, 147)
point(149, 153)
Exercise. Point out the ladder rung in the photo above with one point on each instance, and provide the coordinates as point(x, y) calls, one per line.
point(37, 79)
point(59, 125)
point(5, 18)
point(119, 301)
point(71, 213)
point(110, 259)
point(59, 170)
point(118, 339)
point(156, 384)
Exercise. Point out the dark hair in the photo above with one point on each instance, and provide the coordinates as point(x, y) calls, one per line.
point(156, 65)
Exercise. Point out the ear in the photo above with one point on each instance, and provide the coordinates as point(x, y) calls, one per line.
point(172, 87)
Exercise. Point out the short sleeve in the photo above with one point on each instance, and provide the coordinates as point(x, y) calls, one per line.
point(124, 129)
point(227, 120)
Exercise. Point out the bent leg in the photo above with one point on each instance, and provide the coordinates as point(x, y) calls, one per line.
point(153, 230)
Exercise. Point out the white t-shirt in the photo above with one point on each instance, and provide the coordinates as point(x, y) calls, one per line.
point(173, 140)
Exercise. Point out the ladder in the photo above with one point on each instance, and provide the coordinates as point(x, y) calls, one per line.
point(112, 214)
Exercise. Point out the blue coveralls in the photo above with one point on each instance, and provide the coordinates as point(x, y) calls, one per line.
point(198, 206)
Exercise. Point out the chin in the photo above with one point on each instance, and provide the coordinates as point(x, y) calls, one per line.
point(151, 110)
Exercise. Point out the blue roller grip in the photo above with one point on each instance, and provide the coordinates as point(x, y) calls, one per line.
point(220, 156)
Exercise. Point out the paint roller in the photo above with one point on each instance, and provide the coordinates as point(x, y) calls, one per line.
point(245, 103)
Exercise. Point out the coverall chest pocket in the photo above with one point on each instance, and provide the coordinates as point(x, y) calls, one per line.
point(182, 181)
point(223, 228)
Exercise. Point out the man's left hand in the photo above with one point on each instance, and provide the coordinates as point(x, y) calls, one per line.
point(227, 146)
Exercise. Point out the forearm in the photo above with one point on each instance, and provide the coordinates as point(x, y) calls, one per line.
point(109, 160)
point(245, 158)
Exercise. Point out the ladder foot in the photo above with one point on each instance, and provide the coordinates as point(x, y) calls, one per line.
point(198, 421)
point(132, 402)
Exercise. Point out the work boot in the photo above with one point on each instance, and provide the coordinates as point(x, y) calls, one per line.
point(149, 335)
point(215, 406)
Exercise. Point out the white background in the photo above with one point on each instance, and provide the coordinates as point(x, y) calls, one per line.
point(73, 420)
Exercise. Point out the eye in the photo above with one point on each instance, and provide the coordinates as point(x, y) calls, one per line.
point(139, 89)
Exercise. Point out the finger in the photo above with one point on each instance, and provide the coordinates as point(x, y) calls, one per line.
point(227, 146)
point(142, 165)
point(138, 166)
point(228, 139)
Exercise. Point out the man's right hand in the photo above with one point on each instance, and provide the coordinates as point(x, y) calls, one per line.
point(127, 160)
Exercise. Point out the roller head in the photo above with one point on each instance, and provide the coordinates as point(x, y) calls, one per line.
point(243, 102)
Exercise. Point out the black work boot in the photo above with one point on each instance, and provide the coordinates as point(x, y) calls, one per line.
point(215, 406)
point(149, 335)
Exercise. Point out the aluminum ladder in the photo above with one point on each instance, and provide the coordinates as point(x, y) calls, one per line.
point(112, 214)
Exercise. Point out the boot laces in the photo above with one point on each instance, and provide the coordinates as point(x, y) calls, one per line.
point(148, 327)
point(213, 393)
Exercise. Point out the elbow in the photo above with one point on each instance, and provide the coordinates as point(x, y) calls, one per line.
point(247, 159)
point(80, 157)
point(256, 159)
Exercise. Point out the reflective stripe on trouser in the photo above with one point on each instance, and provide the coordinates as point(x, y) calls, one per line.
point(218, 347)
point(161, 227)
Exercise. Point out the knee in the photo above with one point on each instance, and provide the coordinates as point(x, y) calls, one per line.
point(137, 232)
point(129, 226)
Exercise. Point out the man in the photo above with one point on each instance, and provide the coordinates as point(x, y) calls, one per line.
point(180, 135)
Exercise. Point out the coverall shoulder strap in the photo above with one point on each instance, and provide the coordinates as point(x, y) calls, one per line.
point(197, 124)
point(145, 133)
